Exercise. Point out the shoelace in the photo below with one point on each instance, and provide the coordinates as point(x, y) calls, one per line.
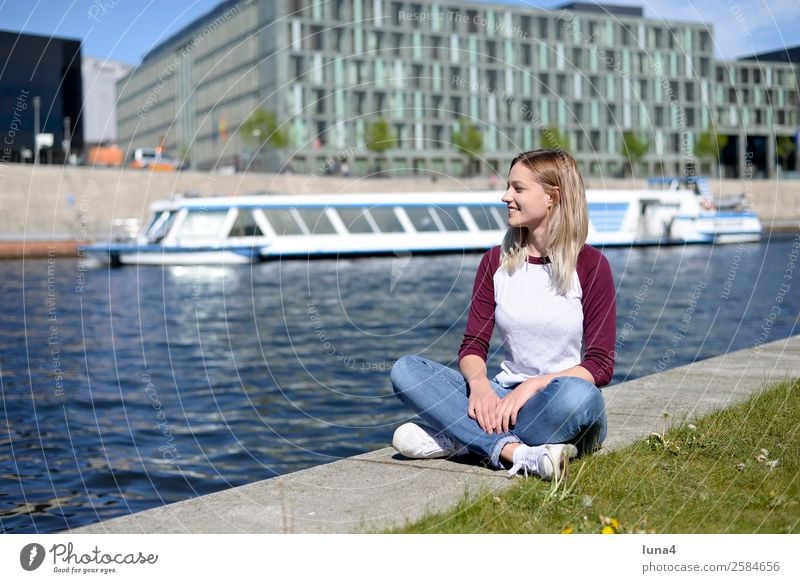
point(442, 442)
point(527, 463)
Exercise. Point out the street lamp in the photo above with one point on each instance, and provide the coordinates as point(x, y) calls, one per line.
point(37, 102)
point(67, 142)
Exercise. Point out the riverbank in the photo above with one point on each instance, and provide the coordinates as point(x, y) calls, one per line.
point(732, 472)
point(379, 490)
point(54, 203)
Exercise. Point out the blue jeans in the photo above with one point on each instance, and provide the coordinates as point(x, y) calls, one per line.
point(568, 410)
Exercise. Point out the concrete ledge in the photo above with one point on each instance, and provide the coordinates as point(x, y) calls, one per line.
point(379, 490)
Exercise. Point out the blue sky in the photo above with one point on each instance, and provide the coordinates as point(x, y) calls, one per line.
point(125, 30)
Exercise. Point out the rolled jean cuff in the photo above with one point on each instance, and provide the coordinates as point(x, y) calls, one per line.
point(504, 441)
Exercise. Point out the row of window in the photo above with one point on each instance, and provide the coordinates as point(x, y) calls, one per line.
point(538, 56)
point(557, 25)
point(204, 224)
point(486, 78)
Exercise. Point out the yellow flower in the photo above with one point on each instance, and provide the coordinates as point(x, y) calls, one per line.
point(567, 530)
point(614, 523)
point(608, 530)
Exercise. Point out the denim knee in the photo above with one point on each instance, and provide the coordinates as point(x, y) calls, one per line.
point(561, 412)
point(575, 397)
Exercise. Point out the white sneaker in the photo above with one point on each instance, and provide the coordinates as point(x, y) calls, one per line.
point(548, 461)
point(422, 442)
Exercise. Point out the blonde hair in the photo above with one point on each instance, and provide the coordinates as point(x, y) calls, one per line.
point(569, 218)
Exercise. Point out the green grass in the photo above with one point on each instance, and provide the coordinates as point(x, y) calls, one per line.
point(689, 480)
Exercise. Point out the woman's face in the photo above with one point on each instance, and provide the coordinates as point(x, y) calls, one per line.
point(528, 203)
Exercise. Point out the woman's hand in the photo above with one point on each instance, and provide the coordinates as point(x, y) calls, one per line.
point(506, 413)
point(483, 402)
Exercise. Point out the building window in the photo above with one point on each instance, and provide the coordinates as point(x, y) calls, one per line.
point(543, 27)
point(472, 21)
point(688, 87)
point(611, 115)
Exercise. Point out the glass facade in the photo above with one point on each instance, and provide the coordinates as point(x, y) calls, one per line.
point(48, 68)
point(329, 69)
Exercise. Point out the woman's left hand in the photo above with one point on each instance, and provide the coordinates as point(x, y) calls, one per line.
point(510, 405)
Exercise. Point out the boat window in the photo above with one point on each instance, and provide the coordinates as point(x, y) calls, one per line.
point(354, 219)
point(152, 221)
point(386, 220)
point(484, 218)
point(158, 229)
point(245, 225)
point(451, 220)
point(283, 222)
point(202, 224)
point(421, 218)
point(499, 217)
point(317, 221)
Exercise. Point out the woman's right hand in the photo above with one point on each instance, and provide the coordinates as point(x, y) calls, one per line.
point(483, 403)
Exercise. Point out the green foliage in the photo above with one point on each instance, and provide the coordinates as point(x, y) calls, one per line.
point(734, 471)
point(784, 148)
point(262, 128)
point(633, 147)
point(468, 140)
point(552, 137)
point(379, 137)
point(708, 145)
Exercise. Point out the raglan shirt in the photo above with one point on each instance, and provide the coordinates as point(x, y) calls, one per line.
point(544, 332)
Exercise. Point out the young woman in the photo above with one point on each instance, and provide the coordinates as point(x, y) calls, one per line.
point(552, 298)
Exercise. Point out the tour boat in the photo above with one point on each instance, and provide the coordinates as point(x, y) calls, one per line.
point(252, 228)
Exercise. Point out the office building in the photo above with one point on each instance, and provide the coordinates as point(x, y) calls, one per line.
point(100, 78)
point(40, 83)
point(330, 69)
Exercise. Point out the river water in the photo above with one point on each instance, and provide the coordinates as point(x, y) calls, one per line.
point(131, 388)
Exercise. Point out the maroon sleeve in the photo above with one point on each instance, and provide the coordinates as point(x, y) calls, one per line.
point(480, 321)
point(599, 314)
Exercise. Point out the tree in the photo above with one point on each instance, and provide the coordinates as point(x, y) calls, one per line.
point(633, 148)
point(554, 138)
point(709, 146)
point(784, 149)
point(380, 138)
point(468, 140)
point(261, 129)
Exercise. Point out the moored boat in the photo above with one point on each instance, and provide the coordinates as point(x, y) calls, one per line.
point(251, 228)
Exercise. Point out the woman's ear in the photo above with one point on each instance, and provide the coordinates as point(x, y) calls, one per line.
point(554, 195)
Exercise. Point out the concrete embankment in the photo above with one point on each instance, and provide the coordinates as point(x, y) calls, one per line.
point(380, 490)
point(54, 203)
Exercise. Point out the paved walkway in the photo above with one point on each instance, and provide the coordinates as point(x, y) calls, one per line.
point(378, 490)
